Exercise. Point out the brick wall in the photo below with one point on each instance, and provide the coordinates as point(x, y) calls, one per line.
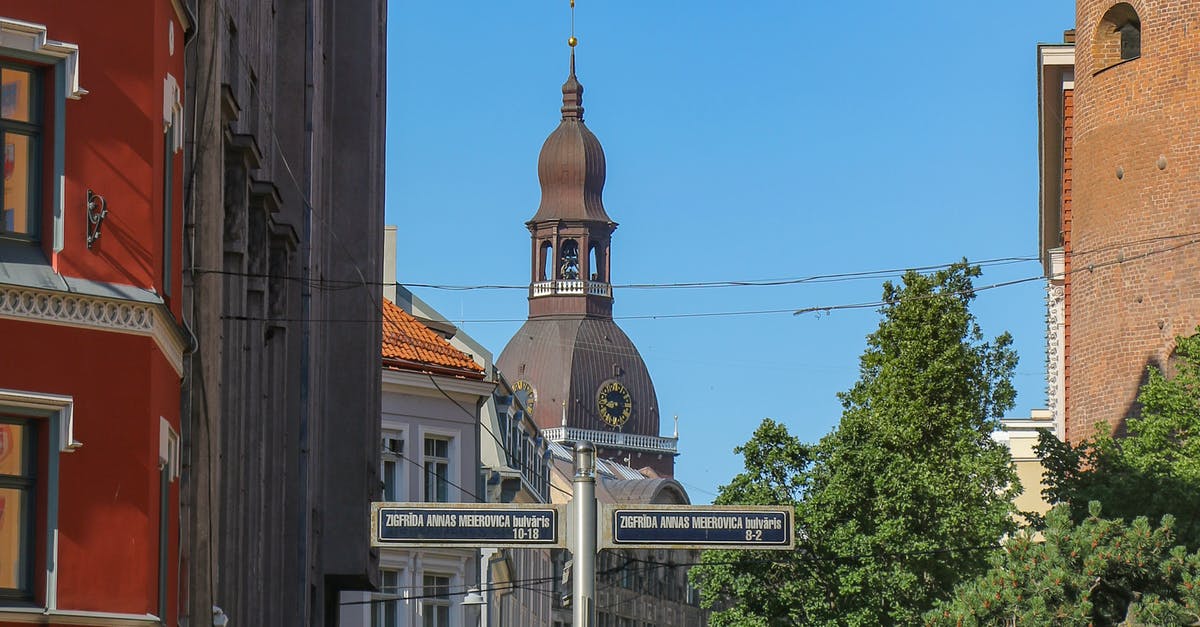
point(1067, 184)
point(1136, 204)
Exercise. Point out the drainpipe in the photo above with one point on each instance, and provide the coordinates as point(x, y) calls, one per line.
point(306, 311)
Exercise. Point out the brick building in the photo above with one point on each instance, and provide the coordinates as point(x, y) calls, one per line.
point(1120, 202)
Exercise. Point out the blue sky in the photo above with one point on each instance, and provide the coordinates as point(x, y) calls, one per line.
point(748, 140)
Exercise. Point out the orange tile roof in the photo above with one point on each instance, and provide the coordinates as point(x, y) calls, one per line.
point(410, 345)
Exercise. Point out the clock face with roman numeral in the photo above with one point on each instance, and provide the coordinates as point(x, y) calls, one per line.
point(530, 396)
point(614, 403)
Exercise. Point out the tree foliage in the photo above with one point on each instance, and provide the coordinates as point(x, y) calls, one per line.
point(1096, 572)
point(1155, 469)
point(765, 584)
point(892, 506)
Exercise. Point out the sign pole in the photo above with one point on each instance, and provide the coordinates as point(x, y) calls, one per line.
point(583, 577)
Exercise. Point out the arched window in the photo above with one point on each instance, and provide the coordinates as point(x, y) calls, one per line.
point(569, 266)
point(1118, 37)
point(545, 261)
point(593, 263)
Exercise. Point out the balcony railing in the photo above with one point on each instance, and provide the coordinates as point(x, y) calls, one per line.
point(570, 286)
point(613, 439)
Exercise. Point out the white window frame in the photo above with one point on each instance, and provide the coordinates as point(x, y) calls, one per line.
point(399, 459)
point(426, 602)
point(454, 461)
point(59, 411)
point(28, 42)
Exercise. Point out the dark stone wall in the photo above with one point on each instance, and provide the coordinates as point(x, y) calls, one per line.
point(284, 200)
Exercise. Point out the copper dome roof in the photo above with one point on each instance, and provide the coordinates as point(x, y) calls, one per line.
point(571, 164)
point(569, 359)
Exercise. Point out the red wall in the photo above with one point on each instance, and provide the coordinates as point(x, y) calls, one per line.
point(114, 134)
point(108, 508)
point(108, 488)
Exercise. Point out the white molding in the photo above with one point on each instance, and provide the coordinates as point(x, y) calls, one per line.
point(59, 410)
point(173, 111)
point(1056, 54)
point(168, 449)
point(31, 38)
point(39, 616)
point(63, 406)
point(420, 383)
point(90, 312)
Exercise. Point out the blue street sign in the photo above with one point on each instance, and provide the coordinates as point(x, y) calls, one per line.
point(457, 524)
point(698, 527)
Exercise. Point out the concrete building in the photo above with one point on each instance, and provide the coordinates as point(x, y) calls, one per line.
point(513, 466)
point(1119, 209)
point(432, 393)
point(283, 219)
point(1020, 435)
point(91, 125)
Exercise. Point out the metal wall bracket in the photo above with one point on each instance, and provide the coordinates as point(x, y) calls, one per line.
point(97, 210)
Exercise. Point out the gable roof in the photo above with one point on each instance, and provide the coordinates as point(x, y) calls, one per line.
point(410, 345)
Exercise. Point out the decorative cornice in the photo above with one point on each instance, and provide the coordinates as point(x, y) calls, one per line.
point(101, 314)
point(1055, 353)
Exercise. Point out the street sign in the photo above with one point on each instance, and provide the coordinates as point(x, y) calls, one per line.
point(477, 525)
point(697, 527)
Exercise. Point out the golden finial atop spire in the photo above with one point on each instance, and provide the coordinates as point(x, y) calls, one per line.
point(571, 41)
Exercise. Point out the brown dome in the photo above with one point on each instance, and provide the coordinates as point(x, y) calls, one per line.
point(570, 359)
point(571, 164)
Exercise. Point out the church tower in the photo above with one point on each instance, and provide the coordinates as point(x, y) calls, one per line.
point(582, 375)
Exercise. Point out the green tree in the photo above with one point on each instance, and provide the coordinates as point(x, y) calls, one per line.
point(893, 505)
point(1097, 572)
point(1155, 469)
point(760, 588)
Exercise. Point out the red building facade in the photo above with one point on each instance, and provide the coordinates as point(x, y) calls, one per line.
point(91, 125)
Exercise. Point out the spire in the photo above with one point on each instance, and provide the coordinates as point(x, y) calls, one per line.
point(571, 164)
point(572, 108)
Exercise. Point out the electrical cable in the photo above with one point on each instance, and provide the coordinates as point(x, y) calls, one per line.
point(437, 475)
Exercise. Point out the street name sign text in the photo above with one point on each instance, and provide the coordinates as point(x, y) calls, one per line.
point(479, 525)
point(697, 527)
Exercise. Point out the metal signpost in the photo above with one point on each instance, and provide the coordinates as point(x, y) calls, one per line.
point(537, 525)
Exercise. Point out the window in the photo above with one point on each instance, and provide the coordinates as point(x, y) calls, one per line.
point(20, 135)
point(17, 499)
point(1131, 41)
point(392, 471)
point(437, 470)
point(1118, 37)
point(385, 608)
point(33, 43)
point(569, 269)
point(545, 265)
point(435, 604)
